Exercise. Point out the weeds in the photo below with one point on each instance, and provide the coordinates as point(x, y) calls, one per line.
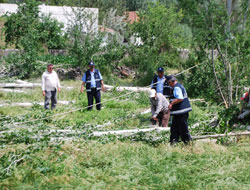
point(61, 152)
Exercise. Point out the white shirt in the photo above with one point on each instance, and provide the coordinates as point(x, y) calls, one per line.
point(50, 81)
point(160, 104)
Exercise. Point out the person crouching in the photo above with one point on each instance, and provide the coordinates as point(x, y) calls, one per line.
point(159, 109)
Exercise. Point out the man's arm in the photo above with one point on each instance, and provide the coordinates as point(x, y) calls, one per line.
point(179, 97)
point(158, 107)
point(152, 108)
point(83, 83)
point(102, 83)
point(82, 87)
point(175, 101)
point(58, 83)
point(43, 85)
point(103, 87)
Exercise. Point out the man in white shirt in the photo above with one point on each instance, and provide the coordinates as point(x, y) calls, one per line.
point(50, 86)
point(159, 108)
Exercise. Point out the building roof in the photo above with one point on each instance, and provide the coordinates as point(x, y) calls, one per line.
point(105, 29)
point(132, 17)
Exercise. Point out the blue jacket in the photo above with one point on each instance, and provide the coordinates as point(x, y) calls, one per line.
point(184, 106)
point(97, 80)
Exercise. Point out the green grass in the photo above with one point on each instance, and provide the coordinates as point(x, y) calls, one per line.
point(126, 165)
point(133, 162)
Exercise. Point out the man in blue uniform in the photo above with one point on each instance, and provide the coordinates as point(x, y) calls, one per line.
point(179, 108)
point(93, 80)
point(160, 83)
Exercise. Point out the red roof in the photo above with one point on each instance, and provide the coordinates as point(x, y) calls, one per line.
point(104, 29)
point(132, 17)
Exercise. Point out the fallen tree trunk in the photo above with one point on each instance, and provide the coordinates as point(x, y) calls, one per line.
point(27, 104)
point(24, 84)
point(16, 85)
point(131, 131)
point(221, 135)
point(12, 90)
point(123, 88)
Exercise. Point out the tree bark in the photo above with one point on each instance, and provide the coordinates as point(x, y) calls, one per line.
point(217, 80)
point(245, 15)
point(229, 13)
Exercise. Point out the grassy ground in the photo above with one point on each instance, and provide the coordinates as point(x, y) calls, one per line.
point(127, 165)
point(133, 162)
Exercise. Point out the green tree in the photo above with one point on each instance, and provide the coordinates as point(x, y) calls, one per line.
point(32, 34)
point(221, 39)
point(161, 32)
point(83, 42)
point(27, 20)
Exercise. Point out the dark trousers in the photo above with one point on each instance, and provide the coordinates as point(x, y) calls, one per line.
point(94, 94)
point(50, 95)
point(179, 128)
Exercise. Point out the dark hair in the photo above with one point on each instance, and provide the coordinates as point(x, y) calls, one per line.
point(49, 65)
point(171, 78)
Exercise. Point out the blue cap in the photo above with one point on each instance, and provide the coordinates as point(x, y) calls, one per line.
point(160, 69)
point(91, 63)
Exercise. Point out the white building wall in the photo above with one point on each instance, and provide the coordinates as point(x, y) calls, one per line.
point(62, 14)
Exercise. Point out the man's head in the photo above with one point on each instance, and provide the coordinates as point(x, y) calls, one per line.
point(160, 72)
point(152, 93)
point(50, 68)
point(91, 65)
point(171, 80)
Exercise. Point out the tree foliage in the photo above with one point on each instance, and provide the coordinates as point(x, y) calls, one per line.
point(161, 33)
point(32, 33)
point(48, 32)
point(221, 40)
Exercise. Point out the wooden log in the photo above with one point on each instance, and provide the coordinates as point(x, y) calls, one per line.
point(27, 104)
point(12, 90)
point(16, 85)
point(123, 88)
point(146, 111)
point(130, 131)
point(221, 135)
point(25, 84)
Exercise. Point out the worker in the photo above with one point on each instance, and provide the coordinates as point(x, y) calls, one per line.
point(160, 84)
point(179, 108)
point(50, 86)
point(159, 108)
point(245, 110)
point(93, 80)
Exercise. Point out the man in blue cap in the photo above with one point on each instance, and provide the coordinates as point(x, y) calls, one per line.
point(93, 80)
point(160, 83)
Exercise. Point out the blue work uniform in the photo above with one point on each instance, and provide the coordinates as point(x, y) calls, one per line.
point(179, 127)
point(93, 79)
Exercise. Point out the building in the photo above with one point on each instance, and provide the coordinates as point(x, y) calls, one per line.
point(63, 14)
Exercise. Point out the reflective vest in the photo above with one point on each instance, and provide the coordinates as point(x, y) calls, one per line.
point(167, 90)
point(97, 80)
point(184, 106)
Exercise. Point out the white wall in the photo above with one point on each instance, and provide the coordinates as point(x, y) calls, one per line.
point(60, 13)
